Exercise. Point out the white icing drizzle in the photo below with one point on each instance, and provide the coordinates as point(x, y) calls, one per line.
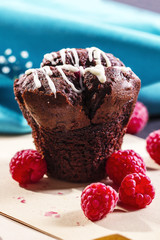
point(50, 57)
point(68, 49)
point(29, 71)
point(81, 71)
point(123, 69)
point(93, 54)
point(97, 56)
point(90, 52)
point(107, 59)
point(69, 67)
point(76, 58)
point(54, 54)
point(59, 68)
point(63, 55)
point(47, 71)
point(75, 54)
point(97, 70)
point(36, 80)
point(35, 77)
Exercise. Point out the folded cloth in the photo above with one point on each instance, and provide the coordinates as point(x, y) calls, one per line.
point(29, 29)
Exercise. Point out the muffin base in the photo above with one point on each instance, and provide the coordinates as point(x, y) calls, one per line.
point(80, 155)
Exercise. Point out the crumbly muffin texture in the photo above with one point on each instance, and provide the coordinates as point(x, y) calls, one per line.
point(78, 104)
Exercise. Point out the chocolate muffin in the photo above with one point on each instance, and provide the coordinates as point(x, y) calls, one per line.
point(78, 105)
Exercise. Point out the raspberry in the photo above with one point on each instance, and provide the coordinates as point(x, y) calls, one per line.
point(136, 190)
point(27, 166)
point(122, 163)
point(97, 200)
point(139, 118)
point(153, 145)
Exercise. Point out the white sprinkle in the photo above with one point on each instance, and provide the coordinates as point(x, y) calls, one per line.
point(8, 51)
point(12, 59)
point(28, 64)
point(24, 54)
point(2, 59)
point(6, 70)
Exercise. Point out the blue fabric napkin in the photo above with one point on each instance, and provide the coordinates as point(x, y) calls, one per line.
point(29, 29)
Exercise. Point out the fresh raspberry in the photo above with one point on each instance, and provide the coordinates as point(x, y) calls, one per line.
point(27, 166)
point(136, 190)
point(153, 145)
point(97, 200)
point(139, 118)
point(122, 163)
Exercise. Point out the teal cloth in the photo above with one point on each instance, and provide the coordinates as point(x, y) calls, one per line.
point(39, 27)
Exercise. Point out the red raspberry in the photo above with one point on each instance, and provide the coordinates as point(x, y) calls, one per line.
point(97, 200)
point(153, 145)
point(139, 118)
point(136, 190)
point(27, 166)
point(122, 163)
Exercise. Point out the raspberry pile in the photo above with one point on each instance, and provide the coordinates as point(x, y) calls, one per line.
point(122, 163)
point(27, 166)
point(97, 200)
point(139, 118)
point(136, 190)
point(126, 169)
point(153, 145)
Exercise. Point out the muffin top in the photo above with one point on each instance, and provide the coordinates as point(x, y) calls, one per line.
point(89, 81)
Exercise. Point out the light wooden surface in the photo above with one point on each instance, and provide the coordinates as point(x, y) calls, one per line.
point(64, 199)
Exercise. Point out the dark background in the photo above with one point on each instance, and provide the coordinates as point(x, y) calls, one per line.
point(152, 5)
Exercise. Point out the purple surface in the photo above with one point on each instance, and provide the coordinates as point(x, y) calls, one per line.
point(153, 124)
point(152, 5)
